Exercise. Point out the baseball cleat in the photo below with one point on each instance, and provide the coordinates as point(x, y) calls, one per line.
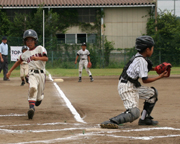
point(147, 121)
point(27, 80)
point(22, 83)
point(79, 79)
point(91, 79)
point(109, 125)
point(31, 113)
point(37, 103)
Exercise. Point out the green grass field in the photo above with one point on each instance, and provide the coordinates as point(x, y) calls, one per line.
point(95, 72)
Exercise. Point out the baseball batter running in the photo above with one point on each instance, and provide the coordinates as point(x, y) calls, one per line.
point(36, 58)
point(23, 67)
point(84, 58)
point(130, 90)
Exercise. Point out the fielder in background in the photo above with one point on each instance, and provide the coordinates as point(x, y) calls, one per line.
point(84, 58)
point(130, 90)
point(23, 67)
point(36, 58)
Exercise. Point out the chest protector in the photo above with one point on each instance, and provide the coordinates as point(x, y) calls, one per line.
point(127, 78)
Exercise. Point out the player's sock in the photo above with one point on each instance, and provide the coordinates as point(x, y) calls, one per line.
point(31, 109)
point(143, 114)
point(32, 104)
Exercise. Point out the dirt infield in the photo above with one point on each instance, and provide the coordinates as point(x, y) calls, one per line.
point(95, 102)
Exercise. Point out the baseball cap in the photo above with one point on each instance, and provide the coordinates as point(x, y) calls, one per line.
point(4, 38)
point(83, 44)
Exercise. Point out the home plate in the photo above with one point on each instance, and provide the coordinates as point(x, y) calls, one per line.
point(58, 80)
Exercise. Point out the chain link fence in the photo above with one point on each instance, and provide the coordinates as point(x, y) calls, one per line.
point(63, 55)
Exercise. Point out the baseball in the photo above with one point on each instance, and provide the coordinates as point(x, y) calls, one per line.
point(58, 80)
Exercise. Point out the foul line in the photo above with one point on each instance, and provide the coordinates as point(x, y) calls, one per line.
point(68, 103)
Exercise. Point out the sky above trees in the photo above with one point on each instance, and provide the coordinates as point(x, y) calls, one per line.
point(169, 5)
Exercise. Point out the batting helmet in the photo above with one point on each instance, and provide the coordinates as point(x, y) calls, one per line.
point(83, 44)
point(24, 48)
point(30, 33)
point(144, 42)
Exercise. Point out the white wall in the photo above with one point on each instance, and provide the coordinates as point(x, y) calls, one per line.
point(123, 25)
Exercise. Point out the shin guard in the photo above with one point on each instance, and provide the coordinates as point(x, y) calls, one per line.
point(128, 116)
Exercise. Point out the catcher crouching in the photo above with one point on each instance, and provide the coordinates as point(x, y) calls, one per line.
point(130, 89)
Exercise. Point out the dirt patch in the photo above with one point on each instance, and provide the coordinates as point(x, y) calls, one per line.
point(95, 102)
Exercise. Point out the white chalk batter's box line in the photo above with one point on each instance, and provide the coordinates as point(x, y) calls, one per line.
point(88, 132)
point(100, 132)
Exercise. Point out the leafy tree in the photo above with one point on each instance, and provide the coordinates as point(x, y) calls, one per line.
point(108, 47)
point(20, 23)
point(167, 36)
point(4, 23)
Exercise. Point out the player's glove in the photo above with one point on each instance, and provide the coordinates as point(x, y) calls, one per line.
point(163, 67)
point(89, 65)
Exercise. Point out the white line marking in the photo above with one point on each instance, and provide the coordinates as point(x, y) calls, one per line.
point(95, 134)
point(56, 123)
point(39, 131)
point(13, 115)
point(68, 103)
point(88, 129)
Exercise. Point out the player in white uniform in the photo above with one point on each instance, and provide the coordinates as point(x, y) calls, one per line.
point(36, 58)
point(84, 58)
point(130, 90)
point(23, 67)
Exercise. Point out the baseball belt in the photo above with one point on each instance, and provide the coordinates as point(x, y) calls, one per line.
point(124, 81)
point(4, 55)
point(37, 71)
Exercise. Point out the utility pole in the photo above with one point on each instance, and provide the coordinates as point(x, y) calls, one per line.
point(156, 14)
point(174, 7)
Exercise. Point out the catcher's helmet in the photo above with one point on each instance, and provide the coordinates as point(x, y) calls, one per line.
point(83, 44)
point(144, 42)
point(24, 48)
point(30, 33)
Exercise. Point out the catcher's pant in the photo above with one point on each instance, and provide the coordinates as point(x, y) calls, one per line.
point(81, 64)
point(23, 70)
point(130, 94)
point(36, 86)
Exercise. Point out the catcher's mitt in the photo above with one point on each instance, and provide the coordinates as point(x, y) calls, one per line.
point(89, 65)
point(163, 67)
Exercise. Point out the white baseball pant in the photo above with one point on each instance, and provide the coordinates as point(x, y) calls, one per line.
point(23, 70)
point(81, 64)
point(130, 94)
point(36, 86)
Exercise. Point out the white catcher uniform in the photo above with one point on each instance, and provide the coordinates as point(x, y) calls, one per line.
point(128, 92)
point(36, 73)
point(23, 68)
point(83, 61)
